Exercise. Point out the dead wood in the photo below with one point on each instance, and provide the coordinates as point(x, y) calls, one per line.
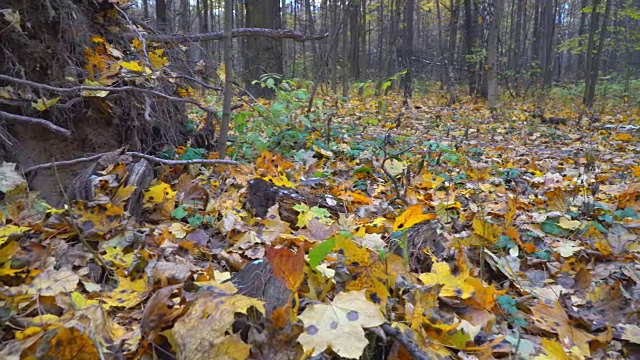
point(270, 33)
point(262, 195)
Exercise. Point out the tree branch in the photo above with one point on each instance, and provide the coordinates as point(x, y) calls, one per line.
point(270, 33)
point(105, 88)
point(35, 121)
point(132, 154)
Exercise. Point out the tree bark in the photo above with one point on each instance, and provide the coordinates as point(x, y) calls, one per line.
point(407, 51)
point(228, 80)
point(593, 55)
point(492, 55)
point(161, 15)
point(470, 34)
point(262, 56)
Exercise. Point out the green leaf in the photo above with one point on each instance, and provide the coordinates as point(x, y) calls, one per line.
point(505, 242)
point(363, 169)
point(180, 212)
point(195, 220)
point(626, 213)
point(542, 255)
point(320, 251)
point(517, 320)
point(507, 303)
point(270, 83)
point(550, 226)
point(192, 154)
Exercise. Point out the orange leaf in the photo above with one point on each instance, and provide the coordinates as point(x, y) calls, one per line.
point(287, 266)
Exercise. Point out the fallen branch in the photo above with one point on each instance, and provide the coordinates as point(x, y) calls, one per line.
point(132, 154)
point(181, 162)
point(405, 341)
point(218, 35)
point(105, 88)
point(35, 121)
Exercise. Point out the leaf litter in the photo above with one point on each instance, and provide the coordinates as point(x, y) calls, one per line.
point(464, 233)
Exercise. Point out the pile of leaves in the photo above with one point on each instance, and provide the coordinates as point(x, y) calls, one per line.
point(463, 233)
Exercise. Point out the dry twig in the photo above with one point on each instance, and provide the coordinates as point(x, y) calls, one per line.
point(35, 121)
point(133, 154)
point(106, 88)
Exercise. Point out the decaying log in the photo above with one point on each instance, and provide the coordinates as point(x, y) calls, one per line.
point(262, 195)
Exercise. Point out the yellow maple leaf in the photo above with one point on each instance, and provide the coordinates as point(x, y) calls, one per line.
point(157, 60)
point(98, 218)
point(454, 284)
point(553, 351)
point(129, 293)
point(136, 44)
point(158, 194)
point(411, 216)
point(486, 230)
point(43, 104)
point(7, 230)
point(368, 271)
point(131, 65)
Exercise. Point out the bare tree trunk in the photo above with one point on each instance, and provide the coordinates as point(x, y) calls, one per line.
point(185, 16)
point(591, 44)
point(363, 42)
point(582, 30)
point(145, 9)
point(517, 46)
point(381, 67)
point(492, 55)
point(407, 51)
point(443, 76)
point(262, 56)
point(345, 55)
point(228, 80)
point(470, 26)
point(453, 43)
point(353, 9)
point(161, 15)
point(593, 59)
point(286, 56)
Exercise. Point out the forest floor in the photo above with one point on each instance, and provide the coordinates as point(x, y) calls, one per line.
point(460, 233)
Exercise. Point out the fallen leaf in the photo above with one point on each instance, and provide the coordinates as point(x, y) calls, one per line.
point(339, 325)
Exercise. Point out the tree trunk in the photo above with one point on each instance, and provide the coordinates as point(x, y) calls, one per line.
point(492, 55)
point(407, 51)
point(453, 41)
point(161, 15)
point(517, 46)
point(353, 10)
point(593, 55)
point(262, 55)
point(470, 37)
point(286, 58)
point(582, 30)
point(185, 16)
point(228, 79)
